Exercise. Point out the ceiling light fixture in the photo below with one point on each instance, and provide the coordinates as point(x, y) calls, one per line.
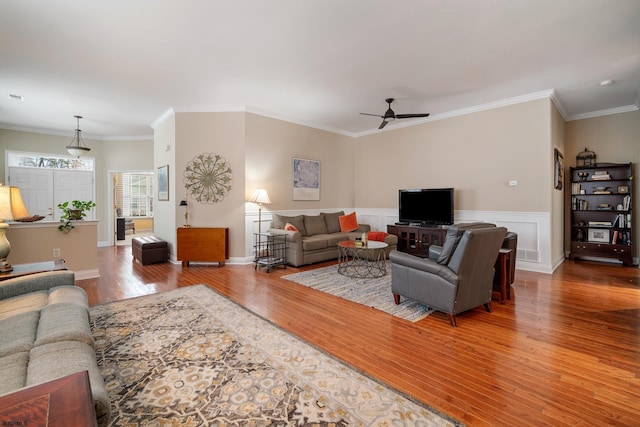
point(606, 83)
point(75, 149)
point(16, 97)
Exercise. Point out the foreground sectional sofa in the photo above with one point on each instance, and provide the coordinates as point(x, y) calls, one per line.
point(45, 334)
point(314, 238)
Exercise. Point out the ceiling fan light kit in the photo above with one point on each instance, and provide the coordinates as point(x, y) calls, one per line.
point(390, 116)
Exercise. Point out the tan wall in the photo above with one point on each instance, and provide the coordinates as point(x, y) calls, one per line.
point(614, 139)
point(36, 242)
point(477, 154)
point(216, 133)
point(271, 146)
point(557, 199)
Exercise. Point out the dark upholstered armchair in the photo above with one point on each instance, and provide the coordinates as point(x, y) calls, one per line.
point(456, 277)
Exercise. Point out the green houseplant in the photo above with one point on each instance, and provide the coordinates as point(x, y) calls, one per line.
point(74, 211)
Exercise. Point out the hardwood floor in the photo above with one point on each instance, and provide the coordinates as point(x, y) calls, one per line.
point(564, 350)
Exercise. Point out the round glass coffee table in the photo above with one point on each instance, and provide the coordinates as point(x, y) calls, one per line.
point(364, 261)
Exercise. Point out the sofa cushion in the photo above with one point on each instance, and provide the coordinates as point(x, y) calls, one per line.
point(348, 222)
point(17, 333)
point(333, 221)
point(279, 221)
point(69, 294)
point(14, 372)
point(64, 322)
point(21, 304)
point(314, 243)
point(315, 225)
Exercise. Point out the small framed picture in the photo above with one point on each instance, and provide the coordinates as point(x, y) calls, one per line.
point(598, 235)
point(163, 182)
point(623, 189)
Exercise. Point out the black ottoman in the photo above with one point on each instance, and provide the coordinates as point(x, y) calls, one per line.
point(149, 250)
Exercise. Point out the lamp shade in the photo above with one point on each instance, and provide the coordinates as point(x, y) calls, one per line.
point(261, 197)
point(11, 205)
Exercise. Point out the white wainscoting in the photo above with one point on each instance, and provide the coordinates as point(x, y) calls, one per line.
point(533, 229)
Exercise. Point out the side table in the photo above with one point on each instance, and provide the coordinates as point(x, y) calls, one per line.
point(270, 250)
point(63, 402)
point(504, 260)
point(33, 267)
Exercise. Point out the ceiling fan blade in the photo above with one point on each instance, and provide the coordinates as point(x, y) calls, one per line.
point(368, 114)
point(383, 124)
point(410, 116)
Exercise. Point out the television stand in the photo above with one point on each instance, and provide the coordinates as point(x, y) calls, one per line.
point(416, 239)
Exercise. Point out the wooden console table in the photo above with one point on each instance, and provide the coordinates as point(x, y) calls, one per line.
point(203, 245)
point(416, 240)
point(32, 268)
point(63, 402)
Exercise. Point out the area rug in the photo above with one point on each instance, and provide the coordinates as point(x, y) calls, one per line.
point(374, 293)
point(191, 357)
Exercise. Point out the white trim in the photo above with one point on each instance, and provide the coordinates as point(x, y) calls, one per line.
point(533, 229)
point(608, 112)
point(164, 116)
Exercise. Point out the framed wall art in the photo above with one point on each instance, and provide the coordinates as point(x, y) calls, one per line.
point(306, 179)
point(558, 169)
point(163, 183)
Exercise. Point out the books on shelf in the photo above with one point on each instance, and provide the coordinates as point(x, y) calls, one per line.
point(600, 176)
point(601, 223)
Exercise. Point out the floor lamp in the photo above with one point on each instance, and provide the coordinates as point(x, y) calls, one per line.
point(11, 207)
point(260, 197)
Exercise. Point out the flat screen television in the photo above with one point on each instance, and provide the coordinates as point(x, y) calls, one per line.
point(427, 206)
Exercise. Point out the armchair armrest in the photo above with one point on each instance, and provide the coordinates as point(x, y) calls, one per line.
point(434, 252)
point(423, 264)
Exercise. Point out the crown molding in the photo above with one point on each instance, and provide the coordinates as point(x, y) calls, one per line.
point(607, 112)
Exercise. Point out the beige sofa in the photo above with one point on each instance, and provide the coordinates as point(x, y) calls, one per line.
point(45, 334)
point(318, 236)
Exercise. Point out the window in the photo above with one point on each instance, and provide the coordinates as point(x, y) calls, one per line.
point(134, 194)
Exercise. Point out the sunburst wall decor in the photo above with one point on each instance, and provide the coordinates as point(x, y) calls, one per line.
point(207, 178)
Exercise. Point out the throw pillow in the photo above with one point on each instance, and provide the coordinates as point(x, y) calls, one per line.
point(377, 235)
point(315, 225)
point(290, 227)
point(279, 221)
point(333, 221)
point(348, 222)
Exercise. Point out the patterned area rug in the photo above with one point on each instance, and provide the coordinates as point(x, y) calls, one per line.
point(374, 293)
point(191, 357)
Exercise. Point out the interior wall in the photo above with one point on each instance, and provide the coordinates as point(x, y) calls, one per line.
point(615, 139)
point(271, 146)
point(477, 154)
point(164, 153)
point(216, 133)
point(557, 195)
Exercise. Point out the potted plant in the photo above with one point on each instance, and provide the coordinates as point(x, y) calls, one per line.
point(74, 211)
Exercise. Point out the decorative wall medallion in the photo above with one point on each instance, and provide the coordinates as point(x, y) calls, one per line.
point(207, 178)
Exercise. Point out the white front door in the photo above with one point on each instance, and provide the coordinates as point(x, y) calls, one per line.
point(36, 188)
point(73, 185)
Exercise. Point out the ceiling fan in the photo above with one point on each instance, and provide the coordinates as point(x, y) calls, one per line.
point(389, 115)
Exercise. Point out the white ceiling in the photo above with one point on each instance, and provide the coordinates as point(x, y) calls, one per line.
point(122, 64)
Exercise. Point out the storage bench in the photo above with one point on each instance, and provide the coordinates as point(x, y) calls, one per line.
point(149, 250)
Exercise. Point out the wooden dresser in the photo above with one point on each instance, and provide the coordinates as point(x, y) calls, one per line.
point(203, 245)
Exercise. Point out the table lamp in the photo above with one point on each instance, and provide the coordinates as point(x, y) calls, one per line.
point(186, 213)
point(11, 208)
